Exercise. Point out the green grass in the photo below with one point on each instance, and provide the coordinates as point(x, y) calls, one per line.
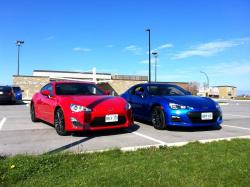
point(224, 163)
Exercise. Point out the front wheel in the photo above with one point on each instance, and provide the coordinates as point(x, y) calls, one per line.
point(158, 118)
point(60, 123)
point(33, 114)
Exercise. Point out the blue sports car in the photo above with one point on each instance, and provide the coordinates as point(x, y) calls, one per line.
point(168, 105)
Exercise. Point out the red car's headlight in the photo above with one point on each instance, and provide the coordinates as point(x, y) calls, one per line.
point(79, 108)
point(127, 106)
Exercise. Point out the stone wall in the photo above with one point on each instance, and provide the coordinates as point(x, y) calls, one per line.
point(30, 84)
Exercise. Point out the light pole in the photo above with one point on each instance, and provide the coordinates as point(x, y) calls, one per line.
point(149, 56)
point(18, 44)
point(155, 53)
point(206, 77)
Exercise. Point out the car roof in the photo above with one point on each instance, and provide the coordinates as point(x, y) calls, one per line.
point(155, 84)
point(5, 86)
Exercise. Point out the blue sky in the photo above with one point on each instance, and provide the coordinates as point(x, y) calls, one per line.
point(77, 35)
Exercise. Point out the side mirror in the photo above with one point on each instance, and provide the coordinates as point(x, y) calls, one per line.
point(189, 93)
point(139, 93)
point(45, 93)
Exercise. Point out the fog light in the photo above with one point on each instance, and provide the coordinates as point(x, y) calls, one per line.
point(175, 118)
point(75, 122)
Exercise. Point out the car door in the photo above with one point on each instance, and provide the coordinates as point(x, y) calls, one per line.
point(48, 104)
point(138, 101)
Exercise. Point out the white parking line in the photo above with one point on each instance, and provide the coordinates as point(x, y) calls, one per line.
point(244, 128)
point(236, 115)
point(176, 144)
point(2, 122)
point(149, 138)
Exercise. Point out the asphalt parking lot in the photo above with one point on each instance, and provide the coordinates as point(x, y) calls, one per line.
point(18, 135)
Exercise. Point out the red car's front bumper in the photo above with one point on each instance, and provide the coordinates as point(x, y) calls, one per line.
point(92, 121)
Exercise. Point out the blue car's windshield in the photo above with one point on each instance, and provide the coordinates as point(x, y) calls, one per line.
point(166, 90)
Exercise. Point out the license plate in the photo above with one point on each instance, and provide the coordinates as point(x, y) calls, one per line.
point(111, 118)
point(1, 93)
point(207, 116)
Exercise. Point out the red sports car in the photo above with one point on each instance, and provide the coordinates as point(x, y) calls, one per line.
point(78, 106)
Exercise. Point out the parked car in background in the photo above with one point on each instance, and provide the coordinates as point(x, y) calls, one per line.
point(168, 105)
point(18, 93)
point(79, 106)
point(7, 95)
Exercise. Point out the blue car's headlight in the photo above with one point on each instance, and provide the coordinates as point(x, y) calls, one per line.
point(175, 106)
point(79, 108)
point(218, 106)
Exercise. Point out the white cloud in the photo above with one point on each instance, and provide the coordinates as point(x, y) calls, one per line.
point(167, 45)
point(133, 49)
point(50, 37)
point(80, 49)
point(211, 48)
point(230, 69)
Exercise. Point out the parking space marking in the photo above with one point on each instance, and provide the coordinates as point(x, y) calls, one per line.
point(244, 128)
point(2, 122)
point(235, 115)
point(175, 144)
point(149, 138)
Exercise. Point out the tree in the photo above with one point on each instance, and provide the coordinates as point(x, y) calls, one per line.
point(193, 87)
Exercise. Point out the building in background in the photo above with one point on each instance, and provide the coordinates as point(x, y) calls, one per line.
point(222, 92)
point(116, 84)
point(227, 92)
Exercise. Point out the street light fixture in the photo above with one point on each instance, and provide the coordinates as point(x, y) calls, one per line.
point(149, 55)
point(206, 78)
point(19, 43)
point(155, 53)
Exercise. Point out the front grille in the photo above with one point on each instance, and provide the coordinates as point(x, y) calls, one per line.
point(100, 122)
point(195, 117)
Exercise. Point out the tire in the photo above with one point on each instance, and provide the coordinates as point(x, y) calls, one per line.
point(33, 113)
point(158, 118)
point(59, 123)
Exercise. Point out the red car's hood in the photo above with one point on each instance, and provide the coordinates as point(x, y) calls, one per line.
point(95, 101)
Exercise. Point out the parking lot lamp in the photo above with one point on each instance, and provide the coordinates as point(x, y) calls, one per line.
point(155, 53)
point(19, 43)
point(149, 55)
point(207, 85)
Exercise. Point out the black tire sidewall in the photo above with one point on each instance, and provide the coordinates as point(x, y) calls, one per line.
point(60, 128)
point(161, 126)
point(33, 113)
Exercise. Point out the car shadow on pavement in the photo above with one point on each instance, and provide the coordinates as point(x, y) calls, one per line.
point(184, 129)
point(135, 127)
point(11, 104)
point(91, 135)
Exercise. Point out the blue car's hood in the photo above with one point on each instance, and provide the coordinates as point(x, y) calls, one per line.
point(192, 101)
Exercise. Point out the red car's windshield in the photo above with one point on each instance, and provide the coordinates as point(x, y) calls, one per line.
point(77, 89)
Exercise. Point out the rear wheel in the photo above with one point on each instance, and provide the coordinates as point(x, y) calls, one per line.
point(33, 114)
point(158, 118)
point(59, 123)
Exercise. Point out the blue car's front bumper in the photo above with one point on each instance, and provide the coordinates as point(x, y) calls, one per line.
point(187, 118)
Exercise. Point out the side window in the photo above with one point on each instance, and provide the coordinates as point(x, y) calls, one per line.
point(153, 90)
